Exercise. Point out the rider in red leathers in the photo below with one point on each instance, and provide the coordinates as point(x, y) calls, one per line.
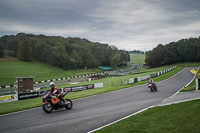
point(55, 91)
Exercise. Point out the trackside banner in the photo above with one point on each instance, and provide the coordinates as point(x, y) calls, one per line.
point(8, 98)
point(28, 95)
point(41, 93)
point(79, 88)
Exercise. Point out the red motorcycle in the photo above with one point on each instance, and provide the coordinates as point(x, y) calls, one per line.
point(51, 102)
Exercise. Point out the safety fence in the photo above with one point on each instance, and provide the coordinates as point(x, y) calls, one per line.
point(16, 97)
point(135, 80)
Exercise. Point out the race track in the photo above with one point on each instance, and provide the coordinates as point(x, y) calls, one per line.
point(95, 111)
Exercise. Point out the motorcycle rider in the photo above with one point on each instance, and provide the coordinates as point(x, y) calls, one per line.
point(149, 81)
point(55, 91)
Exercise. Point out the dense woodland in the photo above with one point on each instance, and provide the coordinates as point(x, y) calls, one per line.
point(62, 52)
point(185, 50)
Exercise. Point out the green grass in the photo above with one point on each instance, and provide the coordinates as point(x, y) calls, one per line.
point(9, 69)
point(174, 118)
point(137, 58)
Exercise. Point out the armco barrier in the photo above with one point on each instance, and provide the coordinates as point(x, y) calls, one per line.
point(134, 80)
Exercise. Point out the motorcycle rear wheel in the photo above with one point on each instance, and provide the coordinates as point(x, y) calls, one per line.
point(48, 108)
point(69, 104)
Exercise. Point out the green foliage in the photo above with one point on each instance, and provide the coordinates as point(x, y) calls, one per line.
point(185, 50)
point(63, 52)
point(1, 51)
point(24, 48)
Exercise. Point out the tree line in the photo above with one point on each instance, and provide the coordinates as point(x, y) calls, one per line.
point(185, 50)
point(62, 52)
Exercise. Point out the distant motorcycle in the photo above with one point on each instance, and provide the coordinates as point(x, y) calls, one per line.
point(51, 102)
point(152, 87)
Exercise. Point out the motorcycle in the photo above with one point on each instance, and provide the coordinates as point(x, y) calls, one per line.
point(51, 102)
point(152, 87)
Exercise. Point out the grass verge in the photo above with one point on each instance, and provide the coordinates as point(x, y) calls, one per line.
point(192, 86)
point(174, 118)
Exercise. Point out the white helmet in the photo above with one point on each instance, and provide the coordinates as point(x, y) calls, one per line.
point(52, 84)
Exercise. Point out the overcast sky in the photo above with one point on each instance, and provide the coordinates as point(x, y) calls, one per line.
point(127, 24)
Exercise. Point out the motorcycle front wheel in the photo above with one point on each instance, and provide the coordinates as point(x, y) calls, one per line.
point(68, 103)
point(151, 88)
point(48, 108)
point(155, 87)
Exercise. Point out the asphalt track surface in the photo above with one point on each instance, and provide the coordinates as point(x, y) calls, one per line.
point(95, 111)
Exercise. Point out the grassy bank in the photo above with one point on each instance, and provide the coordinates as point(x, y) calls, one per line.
point(137, 58)
point(10, 69)
point(174, 118)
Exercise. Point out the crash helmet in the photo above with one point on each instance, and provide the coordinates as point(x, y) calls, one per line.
point(52, 84)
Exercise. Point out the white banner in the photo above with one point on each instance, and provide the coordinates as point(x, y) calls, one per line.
point(98, 85)
point(131, 81)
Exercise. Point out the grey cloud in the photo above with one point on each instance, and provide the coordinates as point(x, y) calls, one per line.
point(128, 24)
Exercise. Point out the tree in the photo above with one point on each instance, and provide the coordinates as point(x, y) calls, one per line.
point(63, 52)
point(115, 60)
point(24, 48)
point(158, 55)
point(75, 60)
point(185, 50)
point(1, 51)
point(59, 56)
point(124, 57)
point(171, 54)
